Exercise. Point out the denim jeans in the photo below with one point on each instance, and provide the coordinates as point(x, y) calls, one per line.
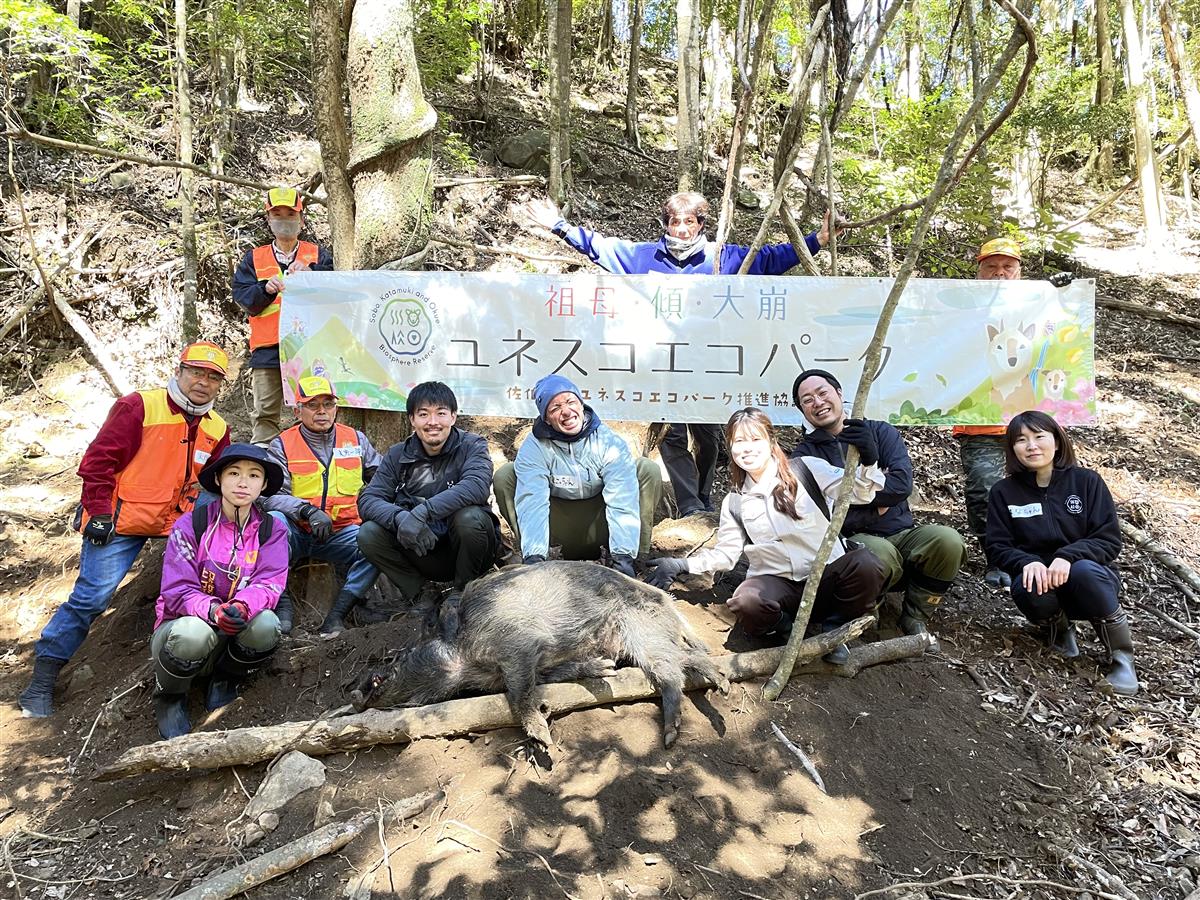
point(101, 570)
point(341, 550)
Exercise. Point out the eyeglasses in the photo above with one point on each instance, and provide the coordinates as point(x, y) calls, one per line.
point(198, 374)
point(319, 405)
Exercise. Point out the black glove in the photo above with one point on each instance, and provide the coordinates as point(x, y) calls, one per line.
point(99, 530)
point(533, 559)
point(623, 563)
point(320, 524)
point(856, 433)
point(413, 533)
point(1062, 279)
point(661, 572)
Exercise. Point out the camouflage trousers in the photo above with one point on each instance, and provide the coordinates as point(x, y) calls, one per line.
point(983, 465)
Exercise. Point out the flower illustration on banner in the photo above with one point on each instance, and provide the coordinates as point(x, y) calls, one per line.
point(359, 400)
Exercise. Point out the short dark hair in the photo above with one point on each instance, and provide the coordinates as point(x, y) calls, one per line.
point(431, 393)
point(1034, 420)
point(682, 204)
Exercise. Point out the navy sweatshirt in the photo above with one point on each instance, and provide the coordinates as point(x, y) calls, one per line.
point(1072, 518)
point(898, 472)
point(251, 293)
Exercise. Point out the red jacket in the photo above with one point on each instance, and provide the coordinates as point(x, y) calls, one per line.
point(113, 449)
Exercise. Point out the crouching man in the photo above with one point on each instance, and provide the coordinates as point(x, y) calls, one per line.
point(575, 483)
point(425, 513)
point(923, 559)
point(326, 465)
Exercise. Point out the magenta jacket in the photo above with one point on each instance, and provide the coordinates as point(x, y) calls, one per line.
point(193, 577)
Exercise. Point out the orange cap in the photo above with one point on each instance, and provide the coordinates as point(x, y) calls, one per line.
point(205, 355)
point(312, 387)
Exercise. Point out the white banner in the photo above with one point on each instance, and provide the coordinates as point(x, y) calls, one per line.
point(693, 348)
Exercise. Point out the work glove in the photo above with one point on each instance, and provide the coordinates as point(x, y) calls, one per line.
point(1062, 279)
point(623, 563)
point(661, 572)
point(320, 523)
point(230, 617)
point(856, 433)
point(412, 531)
point(99, 530)
point(533, 559)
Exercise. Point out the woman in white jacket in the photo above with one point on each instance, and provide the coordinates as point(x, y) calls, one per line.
point(778, 522)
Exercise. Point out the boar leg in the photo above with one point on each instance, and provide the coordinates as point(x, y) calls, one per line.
point(579, 668)
point(520, 678)
point(706, 669)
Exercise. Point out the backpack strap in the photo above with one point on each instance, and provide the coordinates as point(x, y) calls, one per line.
point(265, 525)
point(813, 490)
point(201, 518)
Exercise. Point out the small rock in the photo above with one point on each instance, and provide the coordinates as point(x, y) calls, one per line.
point(33, 450)
point(905, 794)
point(80, 679)
point(651, 860)
point(747, 199)
point(268, 821)
point(294, 774)
point(253, 835)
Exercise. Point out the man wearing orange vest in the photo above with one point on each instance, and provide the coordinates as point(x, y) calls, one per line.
point(258, 286)
point(981, 447)
point(325, 466)
point(140, 474)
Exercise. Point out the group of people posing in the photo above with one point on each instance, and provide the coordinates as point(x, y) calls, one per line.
point(238, 516)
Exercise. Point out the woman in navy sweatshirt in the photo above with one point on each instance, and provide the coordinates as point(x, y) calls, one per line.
point(1052, 526)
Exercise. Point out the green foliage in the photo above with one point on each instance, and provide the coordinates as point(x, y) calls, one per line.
point(446, 38)
point(456, 150)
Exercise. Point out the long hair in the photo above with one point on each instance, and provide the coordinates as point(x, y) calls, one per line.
point(1064, 450)
point(756, 421)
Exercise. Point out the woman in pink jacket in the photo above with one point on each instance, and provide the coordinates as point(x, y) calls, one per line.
point(224, 568)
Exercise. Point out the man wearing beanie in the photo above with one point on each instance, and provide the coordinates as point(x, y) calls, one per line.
point(921, 559)
point(140, 474)
point(575, 483)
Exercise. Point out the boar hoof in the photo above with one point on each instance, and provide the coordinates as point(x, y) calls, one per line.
point(723, 685)
point(670, 734)
point(538, 730)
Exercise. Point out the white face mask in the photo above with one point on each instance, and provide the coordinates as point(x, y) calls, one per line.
point(284, 228)
point(681, 249)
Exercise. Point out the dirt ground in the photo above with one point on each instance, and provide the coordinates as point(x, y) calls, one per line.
point(987, 758)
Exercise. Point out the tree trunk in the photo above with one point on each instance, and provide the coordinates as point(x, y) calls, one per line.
point(391, 127)
point(635, 60)
point(558, 35)
point(1152, 212)
point(910, 77)
point(1104, 83)
point(189, 326)
point(976, 69)
point(717, 64)
point(604, 51)
point(691, 160)
point(329, 94)
point(1181, 68)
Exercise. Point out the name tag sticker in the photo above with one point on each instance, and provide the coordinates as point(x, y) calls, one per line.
point(346, 452)
point(564, 481)
point(202, 456)
point(1028, 511)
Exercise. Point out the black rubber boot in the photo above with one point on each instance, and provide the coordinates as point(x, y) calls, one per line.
point(1118, 640)
point(911, 624)
point(1060, 636)
point(37, 700)
point(839, 655)
point(233, 666)
point(170, 710)
point(335, 622)
point(285, 611)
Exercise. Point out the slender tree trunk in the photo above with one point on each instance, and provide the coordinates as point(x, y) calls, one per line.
point(329, 92)
point(1142, 137)
point(1104, 83)
point(187, 180)
point(604, 51)
point(691, 160)
point(717, 65)
point(1181, 67)
point(558, 32)
point(910, 78)
point(635, 60)
point(976, 69)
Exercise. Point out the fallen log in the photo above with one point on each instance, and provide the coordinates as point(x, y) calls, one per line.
point(246, 746)
point(1143, 540)
point(104, 361)
point(498, 250)
point(326, 839)
point(1148, 312)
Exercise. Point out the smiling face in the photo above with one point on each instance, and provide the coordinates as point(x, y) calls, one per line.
point(432, 424)
point(564, 413)
point(241, 482)
point(318, 414)
point(751, 449)
point(998, 267)
point(684, 226)
point(198, 384)
point(820, 402)
point(1035, 450)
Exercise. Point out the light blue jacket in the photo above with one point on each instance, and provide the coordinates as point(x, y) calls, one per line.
point(599, 463)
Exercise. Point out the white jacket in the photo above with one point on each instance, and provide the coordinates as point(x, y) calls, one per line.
point(774, 543)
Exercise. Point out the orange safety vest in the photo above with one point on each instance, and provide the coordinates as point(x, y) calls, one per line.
point(972, 430)
point(311, 481)
point(264, 325)
point(160, 483)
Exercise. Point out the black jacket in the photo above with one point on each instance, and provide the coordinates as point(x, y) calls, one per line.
point(897, 468)
point(1072, 518)
point(251, 293)
point(458, 477)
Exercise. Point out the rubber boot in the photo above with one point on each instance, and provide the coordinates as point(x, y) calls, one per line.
point(996, 578)
point(172, 680)
point(170, 711)
point(839, 655)
point(37, 700)
point(285, 611)
point(335, 622)
point(1060, 636)
point(1118, 640)
point(911, 624)
point(233, 666)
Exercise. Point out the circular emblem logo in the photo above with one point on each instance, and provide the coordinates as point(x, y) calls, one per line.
point(405, 326)
point(1074, 505)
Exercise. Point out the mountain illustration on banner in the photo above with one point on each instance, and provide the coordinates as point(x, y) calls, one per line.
point(338, 355)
